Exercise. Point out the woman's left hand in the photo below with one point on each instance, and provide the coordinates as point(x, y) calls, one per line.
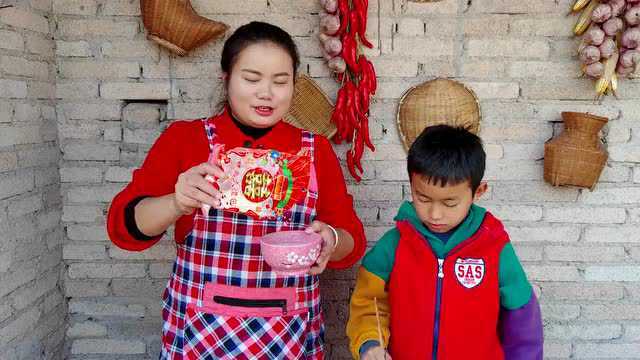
point(328, 245)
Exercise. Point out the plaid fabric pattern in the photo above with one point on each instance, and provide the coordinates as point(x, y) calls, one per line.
point(224, 337)
point(224, 248)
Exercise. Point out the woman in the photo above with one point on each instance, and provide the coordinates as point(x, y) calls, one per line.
point(219, 252)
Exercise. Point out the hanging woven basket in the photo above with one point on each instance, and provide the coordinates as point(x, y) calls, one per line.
point(311, 108)
point(175, 25)
point(438, 101)
point(576, 157)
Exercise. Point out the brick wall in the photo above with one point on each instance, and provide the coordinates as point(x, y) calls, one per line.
point(115, 92)
point(32, 306)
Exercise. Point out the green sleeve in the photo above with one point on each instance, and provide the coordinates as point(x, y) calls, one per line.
point(515, 290)
point(379, 260)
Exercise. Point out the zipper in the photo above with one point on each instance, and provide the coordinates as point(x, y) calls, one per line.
point(252, 303)
point(436, 325)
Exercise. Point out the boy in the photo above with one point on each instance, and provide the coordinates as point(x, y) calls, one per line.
point(446, 281)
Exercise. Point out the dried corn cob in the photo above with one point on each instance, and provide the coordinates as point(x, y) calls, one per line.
point(584, 20)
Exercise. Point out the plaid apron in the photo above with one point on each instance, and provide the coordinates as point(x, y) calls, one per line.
point(223, 302)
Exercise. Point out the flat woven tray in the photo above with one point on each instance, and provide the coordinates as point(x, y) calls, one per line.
point(438, 101)
point(311, 108)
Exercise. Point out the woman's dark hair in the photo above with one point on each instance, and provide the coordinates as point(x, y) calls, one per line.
point(253, 33)
point(447, 155)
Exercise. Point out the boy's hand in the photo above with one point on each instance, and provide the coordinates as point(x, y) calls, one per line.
point(376, 353)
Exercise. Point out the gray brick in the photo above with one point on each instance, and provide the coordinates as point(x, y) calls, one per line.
point(547, 233)
point(80, 194)
point(121, 7)
point(84, 252)
point(11, 40)
point(618, 234)
point(135, 91)
point(552, 273)
point(75, 7)
point(585, 254)
point(600, 215)
point(157, 252)
point(77, 213)
point(25, 206)
point(376, 192)
point(98, 70)
point(611, 312)
point(76, 89)
point(81, 232)
point(86, 288)
point(534, 192)
point(80, 175)
point(618, 195)
point(102, 271)
point(555, 350)
point(605, 351)
point(105, 309)
point(73, 48)
point(141, 136)
point(20, 326)
point(90, 28)
point(13, 89)
point(22, 18)
point(40, 45)
point(11, 185)
point(517, 212)
point(144, 288)
point(612, 273)
point(91, 151)
point(87, 329)
point(160, 270)
point(583, 331)
point(560, 312)
point(8, 161)
point(84, 111)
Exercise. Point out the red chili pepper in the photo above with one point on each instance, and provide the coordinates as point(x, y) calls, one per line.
point(358, 149)
point(372, 77)
point(349, 52)
point(361, 13)
point(351, 167)
point(348, 111)
point(343, 9)
point(338, 116)
point(365, 133)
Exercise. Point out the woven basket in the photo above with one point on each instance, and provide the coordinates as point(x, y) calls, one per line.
point(438, 101)
point(175, 25)
point(576, 157)
point(311, 108)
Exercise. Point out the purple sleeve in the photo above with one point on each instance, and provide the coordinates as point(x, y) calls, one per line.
point(521, 331)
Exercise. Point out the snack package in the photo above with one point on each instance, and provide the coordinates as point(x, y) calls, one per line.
point(261, 183)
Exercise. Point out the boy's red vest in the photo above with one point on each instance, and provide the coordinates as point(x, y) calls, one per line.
point(466, 324)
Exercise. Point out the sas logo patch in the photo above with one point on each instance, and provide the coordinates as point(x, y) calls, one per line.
point(469, 272)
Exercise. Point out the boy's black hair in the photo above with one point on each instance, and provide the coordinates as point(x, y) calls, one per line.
point(447, 155)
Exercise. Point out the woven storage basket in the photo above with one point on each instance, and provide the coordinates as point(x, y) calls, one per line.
point(576, 157)
point(175, 25)
point(438, 101)
point(311, 108)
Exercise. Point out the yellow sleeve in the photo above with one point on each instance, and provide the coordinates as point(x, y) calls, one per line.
point(362, 324)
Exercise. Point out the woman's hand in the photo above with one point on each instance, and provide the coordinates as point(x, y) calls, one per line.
point(376, 353)
point(192, 190)
point(328, 245)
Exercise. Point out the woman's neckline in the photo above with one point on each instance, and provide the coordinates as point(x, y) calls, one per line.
point(253, 132)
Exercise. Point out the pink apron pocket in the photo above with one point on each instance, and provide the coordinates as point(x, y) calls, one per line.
point(245, 323)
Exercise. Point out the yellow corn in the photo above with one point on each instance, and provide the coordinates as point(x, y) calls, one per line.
point(579, 5)
point(609, 79)
point(584, 20)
